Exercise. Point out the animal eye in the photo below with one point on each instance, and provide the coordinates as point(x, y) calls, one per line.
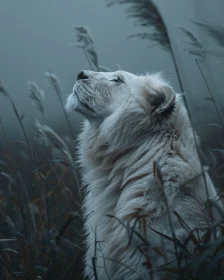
point(117, 80)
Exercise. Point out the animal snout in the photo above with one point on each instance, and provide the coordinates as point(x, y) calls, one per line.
point(82, 76)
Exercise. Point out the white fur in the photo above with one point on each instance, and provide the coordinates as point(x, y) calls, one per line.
point(120, 141)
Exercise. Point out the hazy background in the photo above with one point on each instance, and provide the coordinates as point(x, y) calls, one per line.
point(37, 36)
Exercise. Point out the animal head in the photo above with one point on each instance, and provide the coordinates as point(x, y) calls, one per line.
point(98, 95)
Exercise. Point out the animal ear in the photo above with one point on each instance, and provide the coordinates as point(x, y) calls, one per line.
point(162, 101)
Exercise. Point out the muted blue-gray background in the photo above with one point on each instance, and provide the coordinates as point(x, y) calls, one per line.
point(37, 36)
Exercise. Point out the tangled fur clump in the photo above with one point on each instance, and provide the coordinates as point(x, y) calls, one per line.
point(139, 166)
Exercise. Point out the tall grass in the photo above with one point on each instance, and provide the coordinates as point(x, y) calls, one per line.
point(40, 224)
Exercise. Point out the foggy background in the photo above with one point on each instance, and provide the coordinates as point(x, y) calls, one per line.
point(37, 36)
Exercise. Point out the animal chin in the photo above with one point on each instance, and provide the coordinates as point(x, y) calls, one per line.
point(84, 104)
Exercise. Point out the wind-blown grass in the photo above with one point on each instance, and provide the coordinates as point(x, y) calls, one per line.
point(86, 42)
point(37, 95)
point(147, 14)
point(195, 46)
point(214, 31)
point(30, 220)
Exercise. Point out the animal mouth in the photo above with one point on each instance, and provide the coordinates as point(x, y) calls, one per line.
point(83, 103)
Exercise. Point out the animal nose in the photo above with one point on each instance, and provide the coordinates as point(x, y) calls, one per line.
point(82, 76)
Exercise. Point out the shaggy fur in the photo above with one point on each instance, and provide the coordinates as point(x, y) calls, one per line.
point(137, 154)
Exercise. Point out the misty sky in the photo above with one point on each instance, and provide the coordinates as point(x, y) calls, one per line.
point(37, 36)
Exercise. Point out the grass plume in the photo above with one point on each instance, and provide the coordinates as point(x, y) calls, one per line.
point(214, 31)
point(147, 15)
point(195, 46)
point(37, 96)
point(87, 44)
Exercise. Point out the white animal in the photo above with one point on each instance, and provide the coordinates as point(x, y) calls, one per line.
point(138, 159)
